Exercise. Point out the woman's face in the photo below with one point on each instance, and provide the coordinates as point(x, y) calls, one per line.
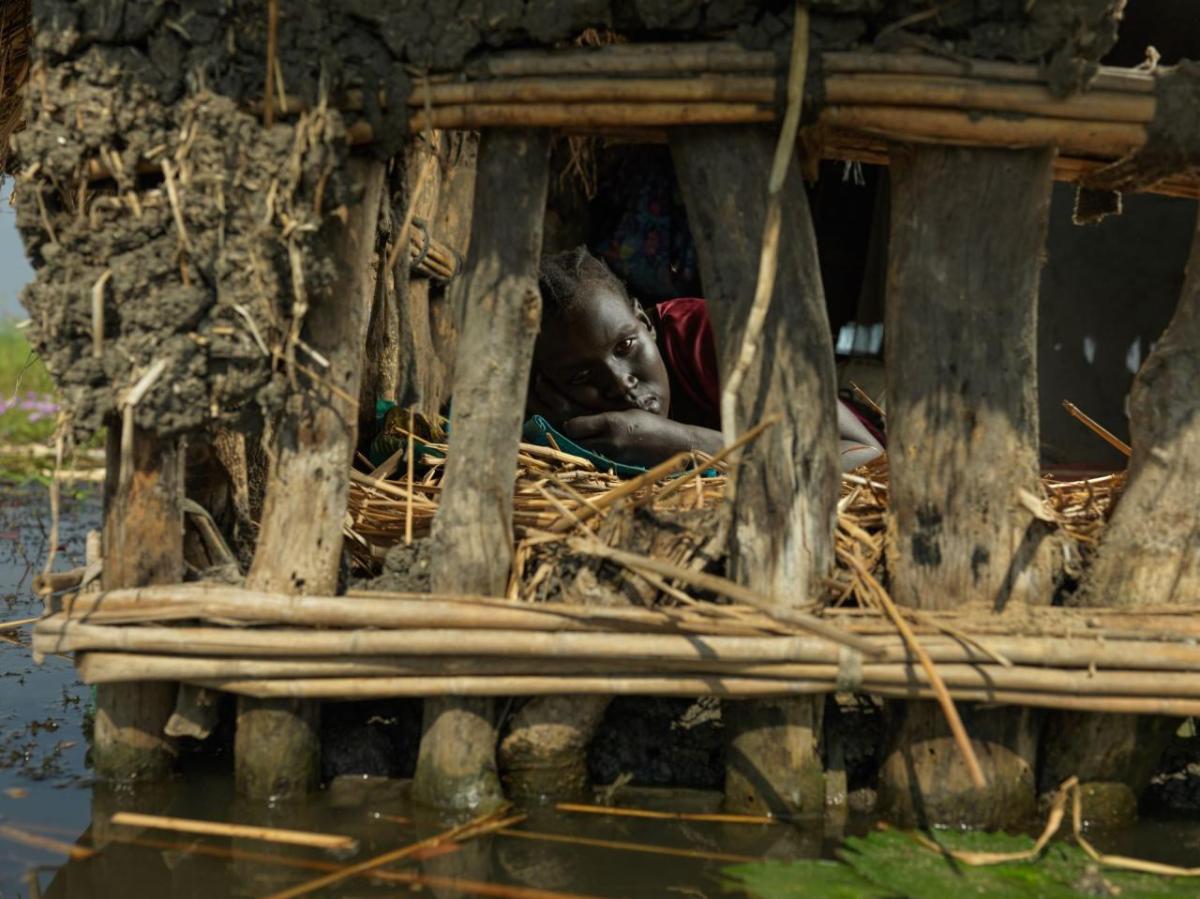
point(602, 356)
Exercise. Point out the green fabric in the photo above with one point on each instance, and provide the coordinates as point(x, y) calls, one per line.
point(383, 444)
point(537, 430)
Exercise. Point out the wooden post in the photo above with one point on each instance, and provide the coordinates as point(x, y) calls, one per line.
point(454, 229)
point(414, 324)
point(472, 533)
point(1148, 556)
point(143, 544)
point(419, 377)
point(967, 232)
point(300, 541)
point(782, 539)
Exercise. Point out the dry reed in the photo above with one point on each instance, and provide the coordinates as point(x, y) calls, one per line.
point(558, 492)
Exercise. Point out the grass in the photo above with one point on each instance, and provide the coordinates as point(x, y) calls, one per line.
point(28, 403)
point(28, 408)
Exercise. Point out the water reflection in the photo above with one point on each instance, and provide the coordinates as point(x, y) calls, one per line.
point(549, 854)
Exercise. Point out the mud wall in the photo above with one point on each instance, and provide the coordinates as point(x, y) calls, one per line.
point(199, 247)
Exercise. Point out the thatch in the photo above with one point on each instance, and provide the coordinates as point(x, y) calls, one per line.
point(554, 490)
point(15, 37)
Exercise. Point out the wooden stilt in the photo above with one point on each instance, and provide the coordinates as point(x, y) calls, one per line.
point(967, 232)
point(473, 530)
point(782, 540)
point(419, 374)
point(1148, 556)
point(143, 544)
point(300, 540)
point(454, 229)
point(545, 751)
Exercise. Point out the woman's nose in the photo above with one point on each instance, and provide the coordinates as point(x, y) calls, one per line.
point(619, 382)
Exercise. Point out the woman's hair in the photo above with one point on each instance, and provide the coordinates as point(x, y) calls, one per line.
point(563, 277)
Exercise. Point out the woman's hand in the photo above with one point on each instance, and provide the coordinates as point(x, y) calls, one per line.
point(548, 401)
point(638, 437)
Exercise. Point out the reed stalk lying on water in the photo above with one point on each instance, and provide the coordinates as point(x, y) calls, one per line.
point(330, 842)
point(477, 826)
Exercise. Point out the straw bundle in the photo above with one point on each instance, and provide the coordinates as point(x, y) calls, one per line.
point(554, 490)
point(551, 488)
point(15, 37)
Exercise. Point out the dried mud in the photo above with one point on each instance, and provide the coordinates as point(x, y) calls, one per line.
point(214, 280)
point(210, 280)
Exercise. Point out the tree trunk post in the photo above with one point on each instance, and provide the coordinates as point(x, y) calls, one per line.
point(277, 752)
point(783, 514)
point(472, 534)
point(143, 544)
point(967, 234)
point(1148, 556)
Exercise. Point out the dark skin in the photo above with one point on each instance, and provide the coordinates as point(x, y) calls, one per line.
point(598, 372)
point(599, 375)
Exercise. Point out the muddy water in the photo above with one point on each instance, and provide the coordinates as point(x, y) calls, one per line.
point(47, 796)
point(46, 791)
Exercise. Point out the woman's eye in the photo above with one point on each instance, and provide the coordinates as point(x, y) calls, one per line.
point(578, 379)
point(624, 346)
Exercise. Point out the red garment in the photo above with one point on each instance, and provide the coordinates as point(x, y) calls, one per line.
point(685, 339)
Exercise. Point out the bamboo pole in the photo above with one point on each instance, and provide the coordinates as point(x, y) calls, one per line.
point(703, 88)
point(1108, 77)
point(646, 59)
point(622, 812)
point(113, 667)
point(1098, 429)
point(910, 89)
point(55, 634)
point(970, 128)
point(517, 685)
point(965, 93)
point(851, 147)
point(330, 842)
point(673, 685)
point(587, 115)
point(384, 609)
point(45, 844)
point(394, 610)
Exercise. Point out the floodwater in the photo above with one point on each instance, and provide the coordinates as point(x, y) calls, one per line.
point(50, 806)
point(47, 796)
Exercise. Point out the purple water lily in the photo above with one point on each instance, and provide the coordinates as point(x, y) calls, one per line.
point(36, 406)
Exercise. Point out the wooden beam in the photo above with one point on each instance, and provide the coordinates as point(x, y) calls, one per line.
point(472, 533)
point(300, 541)
point(782, 538)
point(967, 234)
point(143, 544)
point(1148, 556)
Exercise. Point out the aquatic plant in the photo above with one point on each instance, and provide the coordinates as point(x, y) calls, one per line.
point(892, 865)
